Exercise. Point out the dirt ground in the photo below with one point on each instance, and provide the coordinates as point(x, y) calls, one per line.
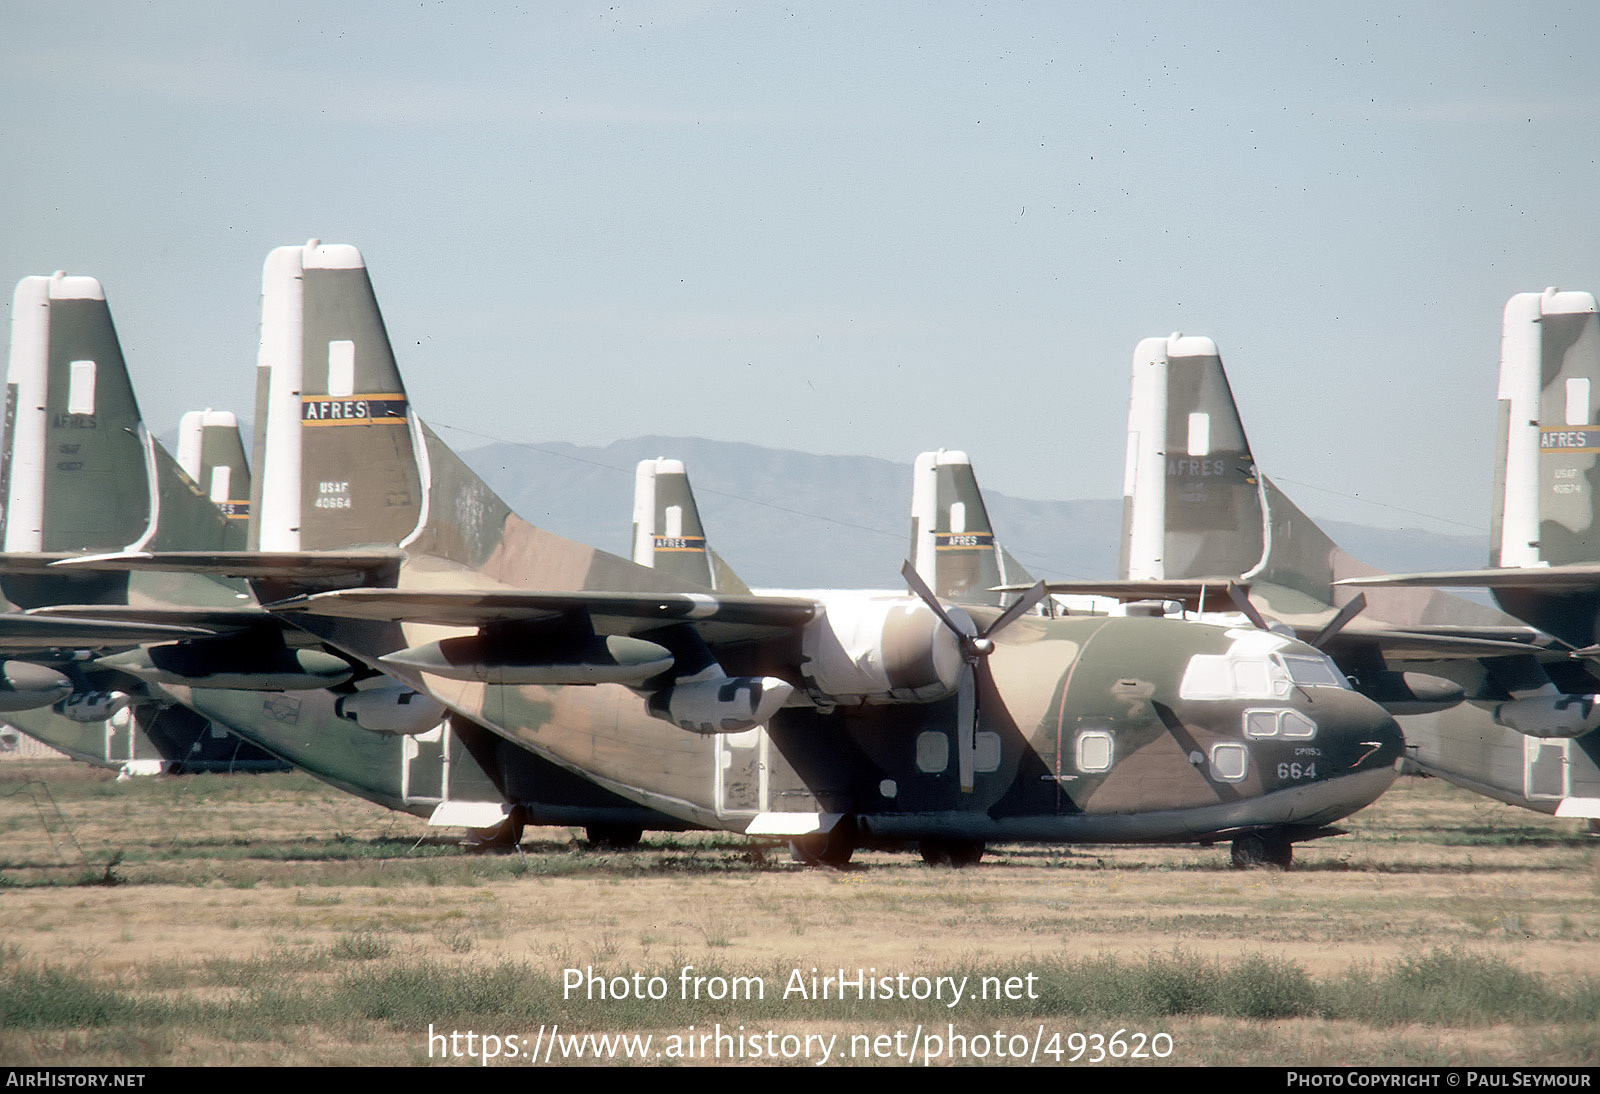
point(214, 867)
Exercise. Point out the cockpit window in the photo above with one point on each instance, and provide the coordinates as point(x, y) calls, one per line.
point(1294, 726)
point(1312, 671)
point(1222, 676)
point(1260, 723)
point(1283, 722)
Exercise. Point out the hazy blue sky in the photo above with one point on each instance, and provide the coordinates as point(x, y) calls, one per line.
point(870, 228)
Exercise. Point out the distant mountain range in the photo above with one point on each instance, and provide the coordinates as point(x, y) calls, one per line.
point(797, 520)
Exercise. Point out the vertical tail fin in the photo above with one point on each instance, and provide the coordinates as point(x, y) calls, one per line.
point(953, 545)
point(1193, 504)
point(345, 462)
point(212, 454)
point(79, 470)
point(344, 452)
point(1217, 516)
point(72, 426)
point(1546, 496)
point(667, 533)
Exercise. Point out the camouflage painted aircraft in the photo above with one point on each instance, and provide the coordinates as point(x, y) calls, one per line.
point(1544, 549)
point(79, 473)
point(894, 719)
point(1471, 691)
point(82, 462)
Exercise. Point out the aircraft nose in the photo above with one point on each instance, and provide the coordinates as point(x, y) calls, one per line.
point(1361, 734)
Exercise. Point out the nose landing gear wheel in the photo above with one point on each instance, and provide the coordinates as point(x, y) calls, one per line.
point(501, 839)
point(832, 848)
point(1256, 851)
point(951, 852)
point(613, 837)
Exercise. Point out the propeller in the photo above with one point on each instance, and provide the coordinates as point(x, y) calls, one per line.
point(1351, 609)
point(975, 645)
point(1341, 619)
point(1241, 600)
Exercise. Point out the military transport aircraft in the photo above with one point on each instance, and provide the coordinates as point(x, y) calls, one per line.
point(1545, 544)
point(85, 474)
point(79, 473)
point(1470, 684)
point(900, 718)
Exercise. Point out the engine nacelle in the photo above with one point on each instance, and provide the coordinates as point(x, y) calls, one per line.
point(391, 711)
point(94, 706)
point(606, 659)
point(1403, 693)
point(1550, 715)
point(882, 649)
point(26, 686)
point(231, 665)
point(727, 704)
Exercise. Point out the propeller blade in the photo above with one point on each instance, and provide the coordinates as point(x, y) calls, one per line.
point(1241, 600)
point(967, 725)
point(920, 587)
point(1024, 603)
point(1351, 609)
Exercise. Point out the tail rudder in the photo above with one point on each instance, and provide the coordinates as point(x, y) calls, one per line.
point(953, 546)
point(668, 535)
point(1547, 506)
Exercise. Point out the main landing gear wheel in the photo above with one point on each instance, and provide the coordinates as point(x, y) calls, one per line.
point(613, 837)
point(951, 852)
point(832, 848)
point(1256, 851)
point(503, 838)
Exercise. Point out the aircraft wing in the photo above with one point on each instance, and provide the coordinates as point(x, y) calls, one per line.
point(1190, 590)
point(305, 567)
point(87, 628)
point(1426, 643)
point(717, 617)
point(1574, 578)
point(165, 623)
point(1415, 642)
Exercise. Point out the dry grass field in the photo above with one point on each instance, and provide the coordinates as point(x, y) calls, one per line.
point(272, 920)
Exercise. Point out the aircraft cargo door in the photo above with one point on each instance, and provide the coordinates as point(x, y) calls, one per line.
point(425, 766)
point(742, 772)
point(1544, 768)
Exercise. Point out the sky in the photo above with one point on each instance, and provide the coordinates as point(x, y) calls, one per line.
point(847, 229)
